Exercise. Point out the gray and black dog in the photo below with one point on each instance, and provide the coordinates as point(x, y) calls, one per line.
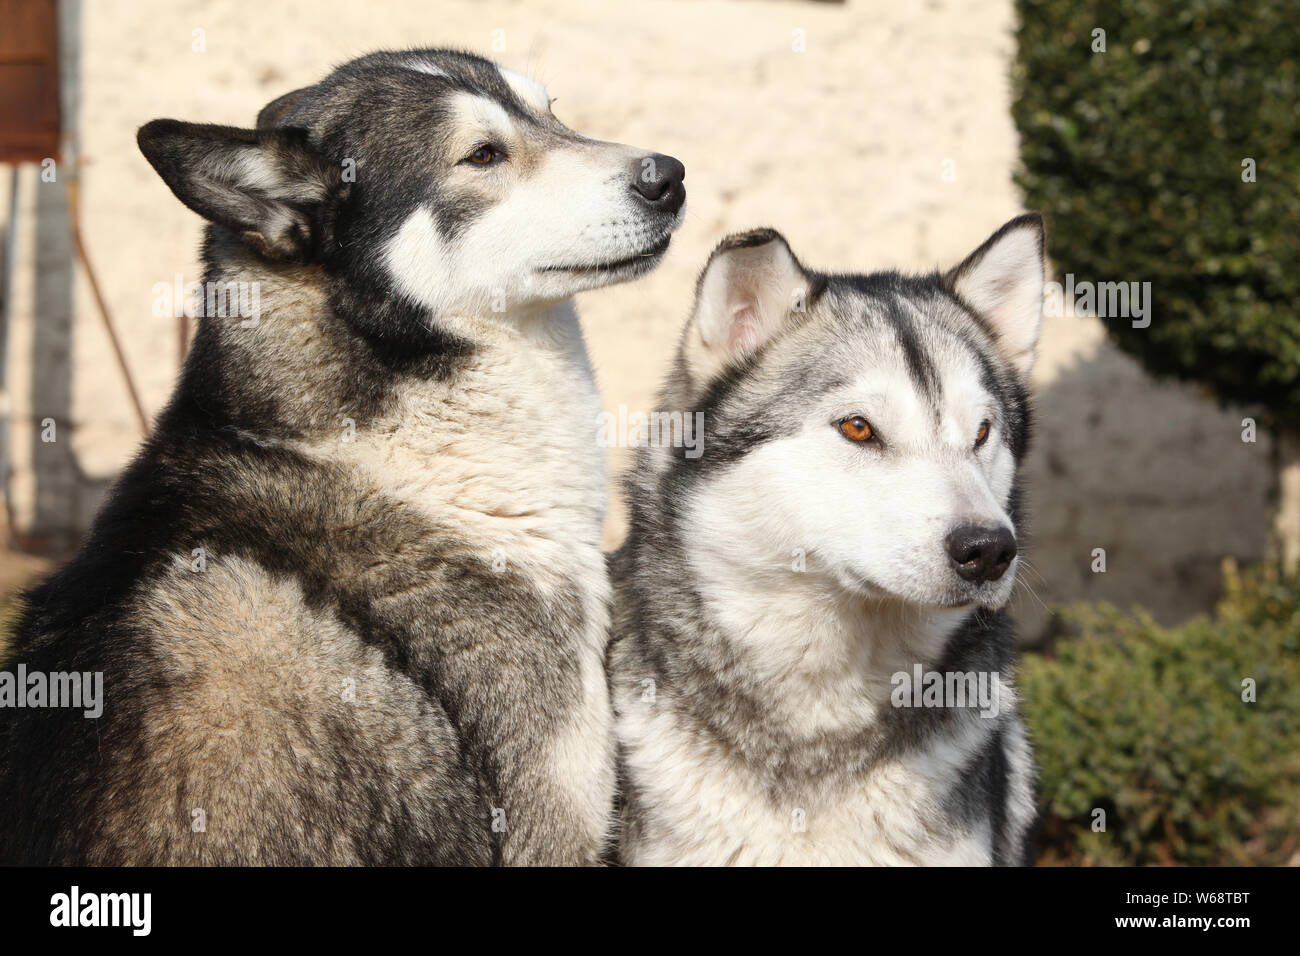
point(348, 602)
point(810, 661)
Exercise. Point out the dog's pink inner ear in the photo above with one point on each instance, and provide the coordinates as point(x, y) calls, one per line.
point(1003, 282)
point(745, 330)
point(746, 296)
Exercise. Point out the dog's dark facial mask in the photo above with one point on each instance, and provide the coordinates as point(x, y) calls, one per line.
point(873, 423)
point(434, 181)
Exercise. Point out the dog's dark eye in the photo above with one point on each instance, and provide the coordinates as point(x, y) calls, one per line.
point(482, 156)
point(982, 435)
point(857, 429)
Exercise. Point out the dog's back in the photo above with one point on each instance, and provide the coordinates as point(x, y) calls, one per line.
point(247, 717)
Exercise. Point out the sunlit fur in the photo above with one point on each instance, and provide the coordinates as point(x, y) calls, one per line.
point(770, 589)
point(349, 600)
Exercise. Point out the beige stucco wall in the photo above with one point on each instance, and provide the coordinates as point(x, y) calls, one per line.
point(841, 146)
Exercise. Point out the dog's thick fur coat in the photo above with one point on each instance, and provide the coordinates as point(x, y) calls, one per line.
point(349, 601)
point(772, 588)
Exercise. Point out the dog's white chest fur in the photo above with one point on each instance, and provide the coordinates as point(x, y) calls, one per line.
point(700, 805)
point(700, 801)
point(506, 451)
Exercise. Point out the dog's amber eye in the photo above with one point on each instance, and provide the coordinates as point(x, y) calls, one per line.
point(982, 435)
point(483, 156)
point(857, 429)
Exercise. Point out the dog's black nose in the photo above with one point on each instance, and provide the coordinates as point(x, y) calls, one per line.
point(981, 554)
point(658, 178)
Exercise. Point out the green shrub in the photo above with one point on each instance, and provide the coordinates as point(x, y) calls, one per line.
point(1148, 724)
point(1135, 157)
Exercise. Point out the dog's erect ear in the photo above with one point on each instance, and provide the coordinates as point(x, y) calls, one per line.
point(273, 112)
point(750, 287)
point(268, 185)
point(1002, 281)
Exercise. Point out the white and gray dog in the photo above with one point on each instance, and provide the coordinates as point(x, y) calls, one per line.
point(348, 602)
point(810, 662)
